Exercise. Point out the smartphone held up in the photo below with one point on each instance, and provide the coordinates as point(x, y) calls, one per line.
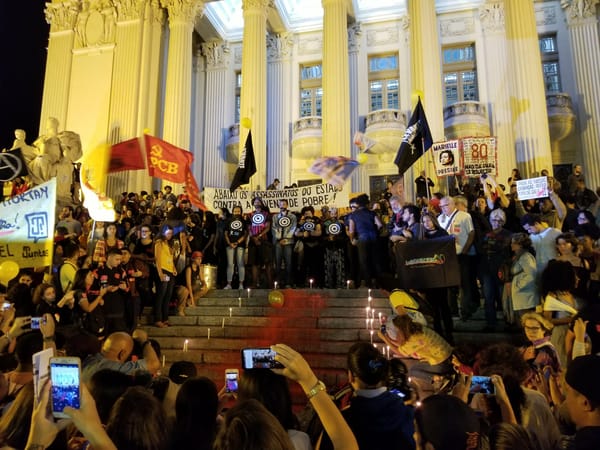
point(259, 358)
point(231, 380)
point(65, 376)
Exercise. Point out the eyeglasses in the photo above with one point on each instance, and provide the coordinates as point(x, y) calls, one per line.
point(444, 205)
point(532, 328)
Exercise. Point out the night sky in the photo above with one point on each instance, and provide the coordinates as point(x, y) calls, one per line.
point(23, 43)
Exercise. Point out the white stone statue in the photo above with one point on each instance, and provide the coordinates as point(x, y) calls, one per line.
point(55, 154)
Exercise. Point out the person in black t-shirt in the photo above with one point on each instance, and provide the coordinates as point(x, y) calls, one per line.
point(114, 277)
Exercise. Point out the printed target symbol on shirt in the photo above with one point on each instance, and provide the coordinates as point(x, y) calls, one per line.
point(309, 226)
point(236, 225)
point(258, 219)
point(284, 222)
point(334, 228)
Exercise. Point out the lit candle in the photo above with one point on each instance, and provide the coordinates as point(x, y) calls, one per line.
point(185, 345)
point(367, 309)
point(347, 284)
point(209, 334)
point(369, 293)
point(276, 285)
point(223, 322)
point(369, 299)
point(379, 317)
point(375, 346)
point(230, 311)
point(311, 282)
point(371, 333)
point(239, 302)
point(387, 349)
point(163, 361)
point(248, 292)
point(367, 321)
point(371, 319)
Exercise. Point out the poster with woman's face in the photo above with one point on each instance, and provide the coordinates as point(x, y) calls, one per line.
point(446, 157)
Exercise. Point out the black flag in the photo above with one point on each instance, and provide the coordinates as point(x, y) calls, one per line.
point(416, 141)
point(246, 167)
point(12, 165)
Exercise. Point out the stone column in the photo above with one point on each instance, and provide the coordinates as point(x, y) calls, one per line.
point(426, 77)
point(528, 98)
point(253, 101)
point(178, 86)
point(585, 43)
point(62, 18)
point(336, 88)
point(279, 53)
point(150, 75)
point(360, 181)
point(426, 64)
point(217, 62)
point(491, 15)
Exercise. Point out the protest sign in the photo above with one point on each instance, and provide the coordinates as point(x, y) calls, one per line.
point(27, 226)
point(446, 157)
point(532, 188)
point(316, 196)
point(479, 156)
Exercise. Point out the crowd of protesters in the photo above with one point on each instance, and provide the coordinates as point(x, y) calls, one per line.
point(534, 261)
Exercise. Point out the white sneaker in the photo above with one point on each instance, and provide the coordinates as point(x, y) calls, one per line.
point(228, 286)
point(241, 286)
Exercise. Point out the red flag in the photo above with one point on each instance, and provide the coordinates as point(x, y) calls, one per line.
point(165, 161)
point(126, 155)
point(193, 191)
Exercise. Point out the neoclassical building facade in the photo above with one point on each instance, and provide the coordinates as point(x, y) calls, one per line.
point(310, 73)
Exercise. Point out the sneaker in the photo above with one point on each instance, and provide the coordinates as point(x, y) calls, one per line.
point(241, 286)
point(228, 286)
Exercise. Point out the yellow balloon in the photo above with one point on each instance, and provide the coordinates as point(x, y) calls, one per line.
point(246, 122)
point(362, 158)
point(8, 270)
point(276, 299)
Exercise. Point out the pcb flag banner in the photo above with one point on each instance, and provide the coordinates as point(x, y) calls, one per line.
point(429, 263)
point(27, 226)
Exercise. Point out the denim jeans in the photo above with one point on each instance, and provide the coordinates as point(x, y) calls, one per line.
point(283, 252)
point(163, 296)
point(235, 256)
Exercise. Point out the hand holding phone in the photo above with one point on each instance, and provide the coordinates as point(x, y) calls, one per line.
point(482, 385)
point(65, 375)
point(231, 380)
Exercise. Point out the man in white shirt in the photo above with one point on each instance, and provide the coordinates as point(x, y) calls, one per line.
point(543, 238)
point(458, 223)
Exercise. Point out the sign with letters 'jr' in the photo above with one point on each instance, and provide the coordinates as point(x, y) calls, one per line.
point(27, 226)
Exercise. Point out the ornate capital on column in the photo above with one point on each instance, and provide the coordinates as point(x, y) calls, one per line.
point(254, 6)
point(491, 15)
point(579, 11)
point(182, 11)
point(215, 53)
point(158, 13)
point(279, 46)
point(61, 16)
point(129, 9)
point(354, 32)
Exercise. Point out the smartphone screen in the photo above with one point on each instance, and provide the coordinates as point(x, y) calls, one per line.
point(482, 385)
point(231, 380)
point(35, 323)
point(259, 358)
point(64, 375)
